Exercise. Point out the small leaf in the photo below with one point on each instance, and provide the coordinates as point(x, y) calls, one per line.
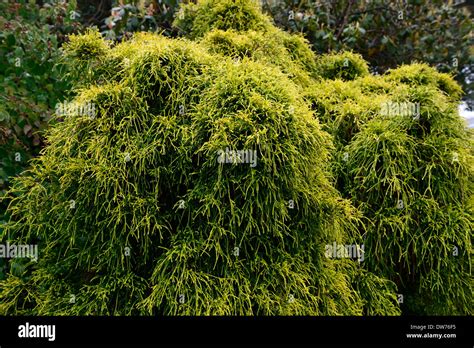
point(27, 128)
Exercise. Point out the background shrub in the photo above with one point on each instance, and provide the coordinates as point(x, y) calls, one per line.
point(31, 79)
point(387, 33)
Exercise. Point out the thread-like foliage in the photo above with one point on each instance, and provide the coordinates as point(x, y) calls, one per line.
point(405, 158)
point(137, 210)
point(344, 65)
point(240, 15)
point(134, 213)
point(288, 52)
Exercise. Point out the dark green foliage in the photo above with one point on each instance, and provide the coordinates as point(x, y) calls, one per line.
point(387, 33)
point(129, 16)
point(31, 80)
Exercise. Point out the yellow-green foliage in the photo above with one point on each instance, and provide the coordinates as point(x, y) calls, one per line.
point(272, 47)
point(222, 238)
point(86, 54)
point(344, 65)
point(419, 74)
point(343, 107)
point(86, 47)
point(411, 174)
point(298, 48)
point(144, 174)
point(239, 15)
point(237, 28)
